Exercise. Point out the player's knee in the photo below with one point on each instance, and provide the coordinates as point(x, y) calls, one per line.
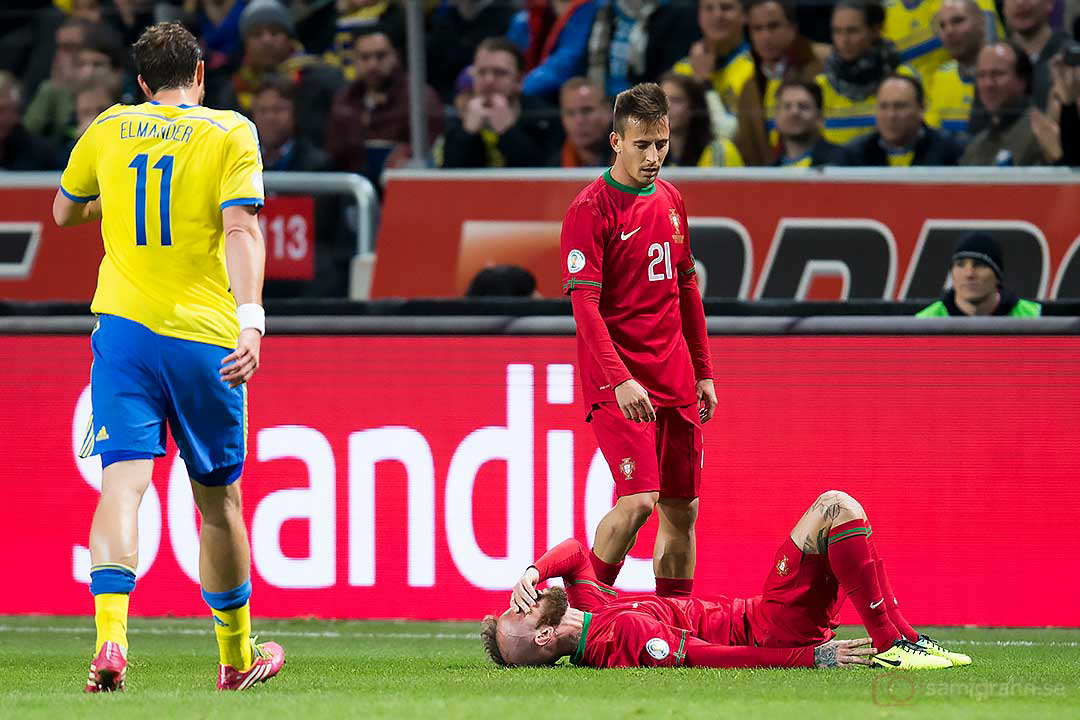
point(218, 504)
point(638, 508)
point(845, 506)
point(680, 512)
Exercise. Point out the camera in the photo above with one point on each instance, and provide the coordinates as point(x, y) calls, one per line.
point(1072, 54)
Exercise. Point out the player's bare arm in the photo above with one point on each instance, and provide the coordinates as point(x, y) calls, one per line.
point(245, 256)
point(830, 509)
point(843, 653)
point(68, 213)
point(634, 401)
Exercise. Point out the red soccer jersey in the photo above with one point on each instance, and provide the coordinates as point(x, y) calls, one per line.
point(632, 246)
point(647, 630)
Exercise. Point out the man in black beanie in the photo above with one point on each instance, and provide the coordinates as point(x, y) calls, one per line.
point(977, 274)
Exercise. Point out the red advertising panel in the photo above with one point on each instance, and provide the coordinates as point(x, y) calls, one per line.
point(755, 237)
point(418, 476)
point(288, 227)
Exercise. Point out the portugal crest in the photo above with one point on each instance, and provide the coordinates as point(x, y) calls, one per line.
point(676, 225)
point(626, 465)
point(782, 568)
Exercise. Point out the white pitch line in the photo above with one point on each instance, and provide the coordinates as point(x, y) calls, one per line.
point(432, 636)
point(275, 633)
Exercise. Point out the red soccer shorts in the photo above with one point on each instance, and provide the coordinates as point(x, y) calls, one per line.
point(800, 602)
point(662, 456)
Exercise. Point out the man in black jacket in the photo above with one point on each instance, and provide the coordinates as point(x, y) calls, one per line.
point(19, 148)
point(500, 127)
point(902, 138)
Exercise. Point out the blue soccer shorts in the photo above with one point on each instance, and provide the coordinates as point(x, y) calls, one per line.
point(141, 380)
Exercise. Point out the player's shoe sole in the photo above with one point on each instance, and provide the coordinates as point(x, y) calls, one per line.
point(108, 669)
point(269, 659)
point(934, 648)
point(906, 655)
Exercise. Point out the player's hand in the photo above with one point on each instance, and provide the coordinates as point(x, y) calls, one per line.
point(634, 401)
point(475, 115)
point(525, 595)
point(844, 653)
point(702, 61)
point(707, 402)
point(238, 367)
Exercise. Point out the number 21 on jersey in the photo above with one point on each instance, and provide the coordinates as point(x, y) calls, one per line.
point(660, 255)
point(165, 165)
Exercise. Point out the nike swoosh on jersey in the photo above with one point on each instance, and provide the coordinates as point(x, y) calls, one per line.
point(624, 236)
point(874, 605)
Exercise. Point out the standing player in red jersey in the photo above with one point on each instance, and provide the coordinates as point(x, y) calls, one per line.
point(643, 352)
point(828, 553)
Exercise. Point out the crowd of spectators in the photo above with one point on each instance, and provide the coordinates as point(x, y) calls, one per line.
point(528, 83)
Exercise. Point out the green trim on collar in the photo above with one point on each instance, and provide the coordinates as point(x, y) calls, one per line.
point(579, 654)
point(647, 190)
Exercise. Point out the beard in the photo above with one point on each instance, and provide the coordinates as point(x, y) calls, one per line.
point(554, 604)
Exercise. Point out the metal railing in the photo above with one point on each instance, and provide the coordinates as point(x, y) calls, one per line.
point(355, 186)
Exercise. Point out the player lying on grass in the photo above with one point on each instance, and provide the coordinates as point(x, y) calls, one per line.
point(791, 624)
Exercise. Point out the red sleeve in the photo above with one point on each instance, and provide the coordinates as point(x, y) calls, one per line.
point(585, 302)
point(691, 307)
point(643, 641)
point(693, 325)
point(569, 560)
point(702, 654)
point(582, 245)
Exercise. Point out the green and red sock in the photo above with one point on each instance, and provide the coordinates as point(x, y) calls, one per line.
point(851, 563)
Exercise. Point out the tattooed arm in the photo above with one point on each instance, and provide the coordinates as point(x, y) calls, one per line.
point(843, 653)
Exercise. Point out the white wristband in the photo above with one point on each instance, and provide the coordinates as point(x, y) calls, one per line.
point(251, 315)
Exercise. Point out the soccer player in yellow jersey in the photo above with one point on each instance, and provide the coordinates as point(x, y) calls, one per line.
point(910, 24)
point(176, 187)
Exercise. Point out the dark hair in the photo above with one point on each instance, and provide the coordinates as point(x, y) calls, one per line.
point(502, 281)
point(811, 87)
point(488, 627)
point(166, 56)
point(699, 131)
point(786, 5)
point(872, 10)
point(105, 40)
point(645, 102)
point(1023, 67)
point(920, 94)
point(279, 84)
point(498, 43)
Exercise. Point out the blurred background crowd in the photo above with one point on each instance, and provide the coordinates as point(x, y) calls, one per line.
point(528, 83)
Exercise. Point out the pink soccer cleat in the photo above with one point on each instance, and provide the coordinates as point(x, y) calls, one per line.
point(269, 657)
point(107, 669)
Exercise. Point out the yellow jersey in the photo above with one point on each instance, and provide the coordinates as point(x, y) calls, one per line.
point(731, 73)
point(846, 119)
point(720, 153)
point(164, 173)
point(912, 27)
point(950, 97)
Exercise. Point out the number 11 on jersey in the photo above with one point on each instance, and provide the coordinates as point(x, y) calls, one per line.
point(165, 165)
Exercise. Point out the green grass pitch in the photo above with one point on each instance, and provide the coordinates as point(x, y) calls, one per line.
point(438, 671)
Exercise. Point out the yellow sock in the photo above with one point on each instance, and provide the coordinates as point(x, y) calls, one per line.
point(110, 617)
point(233, 630)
